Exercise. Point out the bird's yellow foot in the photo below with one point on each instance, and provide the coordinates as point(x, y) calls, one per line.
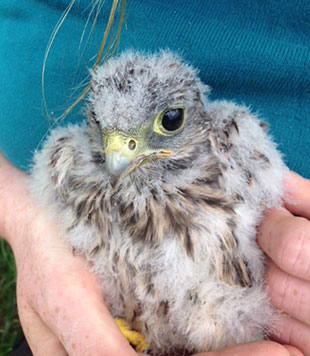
point(134, 338)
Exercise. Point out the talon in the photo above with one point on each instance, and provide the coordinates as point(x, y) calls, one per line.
point(133, 337)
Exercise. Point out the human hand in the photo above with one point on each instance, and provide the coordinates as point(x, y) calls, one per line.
point(285, 237)
point(60, 303)
point(259, 348)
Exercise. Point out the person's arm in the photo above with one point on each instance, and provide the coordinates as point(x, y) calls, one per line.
point(60, 304)
point(285, 238)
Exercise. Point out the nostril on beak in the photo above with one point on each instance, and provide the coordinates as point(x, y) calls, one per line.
point(132, 144)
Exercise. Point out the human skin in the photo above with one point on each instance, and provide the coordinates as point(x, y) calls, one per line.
point(60, 304)
point(284, 236)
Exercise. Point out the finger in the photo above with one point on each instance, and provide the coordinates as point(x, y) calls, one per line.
point(286, 240)
point(293, 351)
point(41, 340)
point(289, 293)
point(76, 313)
point(298, 195)
point(260, 348)
point(292, 332)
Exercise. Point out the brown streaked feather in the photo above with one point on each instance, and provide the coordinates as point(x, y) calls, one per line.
point(230, 266)
point(235, 126)
point(249, 177)
point(262, 157)
point(163, 309)
point(157, 219)
point(264, 126)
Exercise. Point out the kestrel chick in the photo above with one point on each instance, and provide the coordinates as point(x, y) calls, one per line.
point(162, 190)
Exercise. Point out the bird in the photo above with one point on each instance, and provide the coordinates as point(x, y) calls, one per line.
point(162, 190)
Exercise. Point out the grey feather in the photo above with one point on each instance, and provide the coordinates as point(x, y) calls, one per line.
point(174, 241)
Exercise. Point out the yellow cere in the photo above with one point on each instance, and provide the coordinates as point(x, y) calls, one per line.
point(129, 145)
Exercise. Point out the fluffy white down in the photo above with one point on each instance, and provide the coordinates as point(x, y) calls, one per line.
point(223, 307)
point(112, 103)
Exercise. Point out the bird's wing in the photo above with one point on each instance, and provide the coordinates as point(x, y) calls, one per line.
point(69, 181)
point(252, 166)
point(65, 157)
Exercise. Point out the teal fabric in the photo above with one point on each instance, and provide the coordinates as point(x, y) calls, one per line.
point(254, 52)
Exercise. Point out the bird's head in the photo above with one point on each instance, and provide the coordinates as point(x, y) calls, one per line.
point(147, 111)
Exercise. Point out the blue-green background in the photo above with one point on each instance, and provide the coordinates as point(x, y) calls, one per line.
point(255, 52)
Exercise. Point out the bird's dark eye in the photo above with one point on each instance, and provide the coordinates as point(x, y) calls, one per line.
point(173, 119)
point(169, 121)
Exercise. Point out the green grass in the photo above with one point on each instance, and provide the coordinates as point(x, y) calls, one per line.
point(9, 324)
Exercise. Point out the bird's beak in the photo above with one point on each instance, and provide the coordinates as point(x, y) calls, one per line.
point(124, 153)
